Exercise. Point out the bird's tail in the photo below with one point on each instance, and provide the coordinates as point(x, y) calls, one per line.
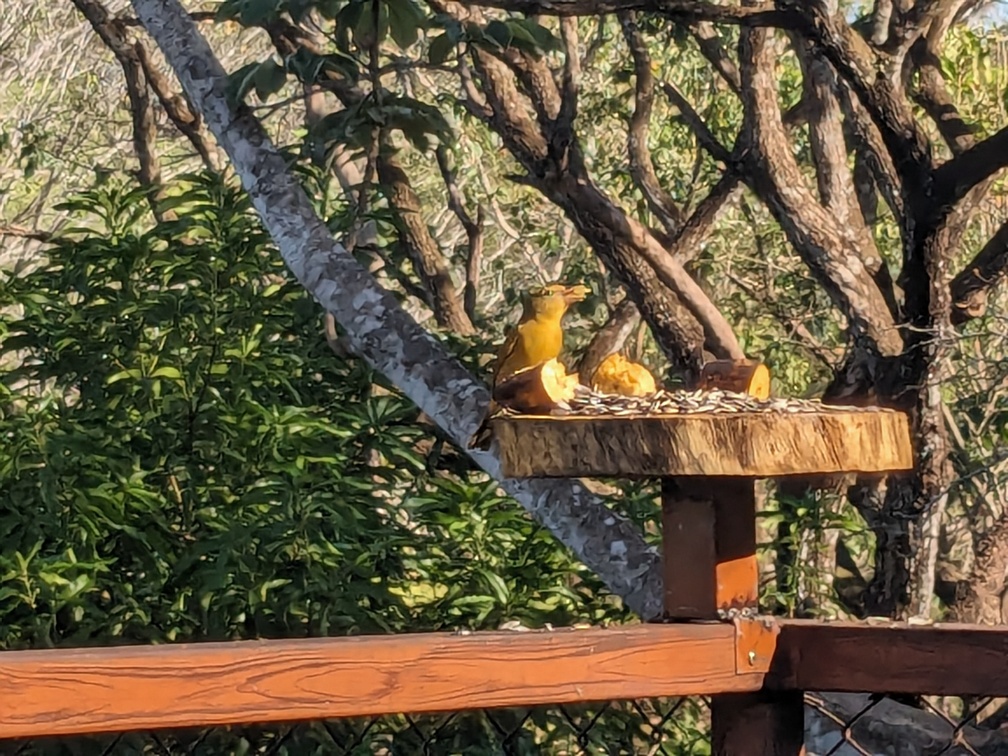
point(481, 438)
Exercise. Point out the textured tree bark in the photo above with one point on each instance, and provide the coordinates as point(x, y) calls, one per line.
point(832, 256)
point(378, 328)
point(428, 259)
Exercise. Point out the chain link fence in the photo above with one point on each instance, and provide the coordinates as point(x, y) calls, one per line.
point(649, 726)
point(870, 724)
point(836, 725)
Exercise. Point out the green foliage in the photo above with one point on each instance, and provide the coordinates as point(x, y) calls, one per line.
point(185, 458)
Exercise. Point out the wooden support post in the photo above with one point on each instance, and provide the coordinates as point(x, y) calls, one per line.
point(709, 546)
point(709, 552)
point(758, 724)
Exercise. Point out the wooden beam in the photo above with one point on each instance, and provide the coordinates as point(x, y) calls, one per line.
point(859, 657)
point(744, 444)
point(70, 691)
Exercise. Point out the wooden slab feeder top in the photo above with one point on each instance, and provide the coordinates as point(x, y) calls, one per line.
point(703, 433)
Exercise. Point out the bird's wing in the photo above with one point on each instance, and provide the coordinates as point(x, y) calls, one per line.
point(506, 350)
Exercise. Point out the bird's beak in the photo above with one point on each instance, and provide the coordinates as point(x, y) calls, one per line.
point(576, 293)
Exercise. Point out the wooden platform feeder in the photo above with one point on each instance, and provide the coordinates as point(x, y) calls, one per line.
point(708, 464)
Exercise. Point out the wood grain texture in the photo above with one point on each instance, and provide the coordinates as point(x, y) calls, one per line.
point(60, 691)
point(708, 546)
point(746, 444)
point(857, 657)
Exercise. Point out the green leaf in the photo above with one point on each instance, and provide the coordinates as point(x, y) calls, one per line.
point(440, 48)
point(270, 78)
point(166, 372)
point(405, 22)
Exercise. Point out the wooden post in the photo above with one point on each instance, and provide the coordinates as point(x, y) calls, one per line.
point(758, 724)
point(710, 571)
point(709, 547)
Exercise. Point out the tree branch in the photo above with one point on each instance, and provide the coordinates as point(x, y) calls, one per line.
point(834, 259)
point(641, 166)
point(709, 40)
point(428, 260)
point(829, 148)
point(933, 96)
point(680, 10)
point(954, 178)
point(609, 339)
point(871, 146)
point(855, 62)
point(561, 131)
point(178, 110)
point(473, 229)
point(970, 289)
point(697, 124)
point(381, 331)
point(686, 243)
point(141, 110)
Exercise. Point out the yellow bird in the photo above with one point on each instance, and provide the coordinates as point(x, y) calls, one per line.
point(538, 336)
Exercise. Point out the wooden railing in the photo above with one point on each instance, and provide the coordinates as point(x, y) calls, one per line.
point(712, 641)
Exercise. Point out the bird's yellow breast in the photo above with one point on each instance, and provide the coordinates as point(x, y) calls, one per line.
point(533, 341)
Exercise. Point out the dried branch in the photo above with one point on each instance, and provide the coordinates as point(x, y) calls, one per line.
point(610, 338)
point(970, 289)
point(473, 229)
point(641, 165)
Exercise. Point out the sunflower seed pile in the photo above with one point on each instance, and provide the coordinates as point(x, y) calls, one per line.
point(664, 402)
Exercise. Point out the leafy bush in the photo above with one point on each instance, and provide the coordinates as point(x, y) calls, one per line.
point(185, 457)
